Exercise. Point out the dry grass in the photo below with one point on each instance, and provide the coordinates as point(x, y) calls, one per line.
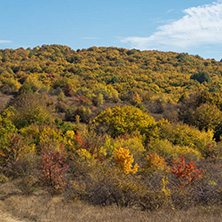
point(4, 99)
point(42, 207)
point(48, 209)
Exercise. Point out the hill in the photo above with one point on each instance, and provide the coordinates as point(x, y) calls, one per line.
point(147, 72)
point(112, 126)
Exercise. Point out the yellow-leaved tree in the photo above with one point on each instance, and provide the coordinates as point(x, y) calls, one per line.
point(124, 161)
point(126, 119)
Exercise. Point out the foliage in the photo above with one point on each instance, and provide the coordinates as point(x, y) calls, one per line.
point(30, 108)
point(89, 92)
point(30, 85)
point(154, 162)
point(201, 77)
point(71, 141)
point(83, 112)
point(56, 66)
point(134, 142)
point(8, 138)
point(184, 135)
point(124, 161)
point(16, 156)
point(185, 173)
point(208, 102)
point(126, 120)
point(68, 90)
point(166, 149)
point(218, 131)
point(52, 168)
point(43, 136)
point(206, 117)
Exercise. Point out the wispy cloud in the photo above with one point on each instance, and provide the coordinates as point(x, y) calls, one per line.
point(89, 38)
point(5, 41)
point(169, 11)
point(200, 25)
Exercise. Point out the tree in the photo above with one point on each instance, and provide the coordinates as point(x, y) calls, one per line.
point(201, 77)
point(206, 117)
point(68, 90)
point(124, 161)
point(30, 108)
point(126, 119)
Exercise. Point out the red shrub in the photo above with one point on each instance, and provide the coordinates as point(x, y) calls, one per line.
point(185, 173)
point(80, 141)
point(52, 167)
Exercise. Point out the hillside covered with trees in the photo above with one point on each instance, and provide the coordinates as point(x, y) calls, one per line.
point(112, 126)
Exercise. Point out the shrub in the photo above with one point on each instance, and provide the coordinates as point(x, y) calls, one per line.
point(15, 156)
point(185, 173)
point(169, 151)
point(98, 100)
point(83, 112)
point(184, 135)
point(134, 142)
point(155, 163)
point(30, 108)
point(30, 85)
point(68, 90)
point(124, 161)
point(206, 116)
point(52, 168)
point(11, 86)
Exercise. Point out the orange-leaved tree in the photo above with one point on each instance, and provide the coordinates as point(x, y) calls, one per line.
point(124, 160)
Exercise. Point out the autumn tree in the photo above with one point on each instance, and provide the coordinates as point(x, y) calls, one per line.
point(126, 119)
point(124, 161)
point(206, 117)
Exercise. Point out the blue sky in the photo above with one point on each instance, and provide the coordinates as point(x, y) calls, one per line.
point(193, 26)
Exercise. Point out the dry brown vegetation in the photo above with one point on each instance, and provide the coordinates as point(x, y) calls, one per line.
point(4, 99)
point(42, 207)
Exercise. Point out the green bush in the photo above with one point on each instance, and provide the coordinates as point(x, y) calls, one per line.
point(201, 77)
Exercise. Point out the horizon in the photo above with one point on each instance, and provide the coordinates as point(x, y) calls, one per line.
point(113, 47)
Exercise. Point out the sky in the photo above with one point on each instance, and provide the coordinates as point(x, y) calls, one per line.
point(192, 26)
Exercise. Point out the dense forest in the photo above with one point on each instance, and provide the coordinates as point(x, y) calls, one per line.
point(112, 125)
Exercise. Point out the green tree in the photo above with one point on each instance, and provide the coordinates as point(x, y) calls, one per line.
point(201, 77)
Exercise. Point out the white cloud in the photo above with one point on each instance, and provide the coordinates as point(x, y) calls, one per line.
point(200, 25)
point(5, 41)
